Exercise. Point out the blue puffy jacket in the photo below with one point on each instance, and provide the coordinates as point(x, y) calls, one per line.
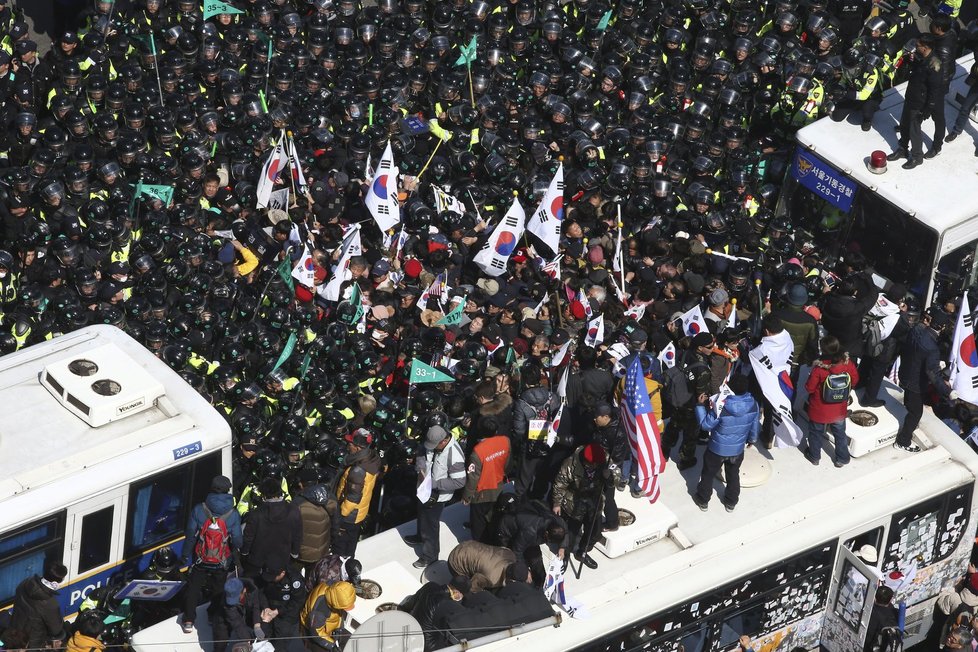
point(739, 422)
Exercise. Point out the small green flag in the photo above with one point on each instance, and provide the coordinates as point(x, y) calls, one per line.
point(285, 271)
point(454, 317)
point(356, 300)
point(468, 52)
point(135, 197)
point(603, 23)
point(147, 40)
point(213, 7)
point(423, 373)
point(286, 351)
point(306, 361)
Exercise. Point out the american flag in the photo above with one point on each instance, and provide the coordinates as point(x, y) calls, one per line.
point(643, 434)
point(437, 287)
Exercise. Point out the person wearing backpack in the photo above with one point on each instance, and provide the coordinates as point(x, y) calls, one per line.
point(531, 414)
point(688, 379)
point(829, 385)
point(213, 537)
point(882, 623)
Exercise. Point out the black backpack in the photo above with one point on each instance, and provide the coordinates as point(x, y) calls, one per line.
point(836, 388)
point(678, 381)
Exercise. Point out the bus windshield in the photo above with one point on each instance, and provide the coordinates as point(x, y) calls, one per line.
point(897, 247)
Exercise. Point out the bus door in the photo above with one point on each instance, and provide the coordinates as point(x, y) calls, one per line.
point(94, 535)
point(854, 582)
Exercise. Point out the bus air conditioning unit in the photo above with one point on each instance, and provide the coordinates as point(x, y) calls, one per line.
point(101, 385)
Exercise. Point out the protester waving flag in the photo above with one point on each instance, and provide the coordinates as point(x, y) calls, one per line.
point(644, 439)
point(964, 356)
point(274, 164)
point(494, 255)
point(779, 390)
point(381, 198)
point(693, 321)
point(295, 165)
point(546, 220)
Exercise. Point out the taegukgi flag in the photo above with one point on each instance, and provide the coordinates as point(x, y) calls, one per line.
point(381, 198)
point(964, 356)
point(546, 220)
point(494, 255)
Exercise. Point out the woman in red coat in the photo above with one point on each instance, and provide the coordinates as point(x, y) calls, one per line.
point(828, 400)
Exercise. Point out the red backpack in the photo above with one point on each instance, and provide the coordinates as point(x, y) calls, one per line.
point(213, 546)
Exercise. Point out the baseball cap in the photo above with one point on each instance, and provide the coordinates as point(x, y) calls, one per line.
point(249, 443)
point(380, 268)
point(702, 339)
point(434, 436)
point(602, 410)
point(4, 58)
point(23, 47)
point(360, 437)
point(233, 589)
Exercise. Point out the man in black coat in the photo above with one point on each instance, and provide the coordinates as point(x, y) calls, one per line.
point(274, 533)
point(842, 315)
point(531, 526)
point(884, 615)
point(924, 96)
point(920, 367)
point(36, 610)
point(609, 434)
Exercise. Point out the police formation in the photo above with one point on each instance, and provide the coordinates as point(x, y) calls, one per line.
point(672, 120)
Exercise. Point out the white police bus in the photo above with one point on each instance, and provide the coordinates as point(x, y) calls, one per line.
point(103, 451)
point(781, 569)
point(916, 227)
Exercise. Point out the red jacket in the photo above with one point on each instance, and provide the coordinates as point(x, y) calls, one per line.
point(818, 410)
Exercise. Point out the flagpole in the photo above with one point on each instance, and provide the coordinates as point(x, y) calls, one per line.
point(433, 152)
point(268, 65)
point(156, 64)
point(468, 67)
point(290, 151)
point(621, 251)
point(407, 407)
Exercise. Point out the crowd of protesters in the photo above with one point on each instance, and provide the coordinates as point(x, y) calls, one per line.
point(672, 121)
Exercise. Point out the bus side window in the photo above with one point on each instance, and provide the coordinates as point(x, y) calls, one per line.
point(872, 538)
point(955, 271)
point(96, 547)
point(928, 532)
point(23, 552)
point(159, 505)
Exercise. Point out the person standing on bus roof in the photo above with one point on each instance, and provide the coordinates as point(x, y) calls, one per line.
point(737, 426)
point(207, 576)
point(36, 610)
point(920, 367)
point(924, 95)
point(354, 492)
point(828, 395)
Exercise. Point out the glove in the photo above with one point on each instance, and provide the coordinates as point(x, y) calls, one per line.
point(259, 633)
point(954, 395)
